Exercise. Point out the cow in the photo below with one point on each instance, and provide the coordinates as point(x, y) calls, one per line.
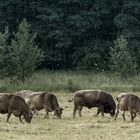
point(47, 101)
point(93, 98)
point(25, 94)
point(129, 103)
point(13, 104)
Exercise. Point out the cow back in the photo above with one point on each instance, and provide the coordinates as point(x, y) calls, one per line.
point(88, 98)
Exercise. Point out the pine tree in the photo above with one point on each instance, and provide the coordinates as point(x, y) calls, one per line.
point(121, 60)
point(23, 55)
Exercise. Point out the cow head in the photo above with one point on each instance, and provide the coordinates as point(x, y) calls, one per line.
point(58, 112)
point(28, 117)
point(110, 111)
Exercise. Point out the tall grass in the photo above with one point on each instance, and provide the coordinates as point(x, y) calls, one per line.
point(69, 81)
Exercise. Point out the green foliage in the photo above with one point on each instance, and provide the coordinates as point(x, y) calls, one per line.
point(5, 56)
point(121, 60)
point(92, 58)
point(20, 59)
point(66, 29)
point(3, 38)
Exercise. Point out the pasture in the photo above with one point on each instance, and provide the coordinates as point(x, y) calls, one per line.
point(87, 127)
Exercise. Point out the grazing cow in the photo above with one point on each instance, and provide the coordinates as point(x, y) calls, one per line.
point(129, 103)
point(25, 94)
point(47, 101)
point(15, 104)
point(93, 98)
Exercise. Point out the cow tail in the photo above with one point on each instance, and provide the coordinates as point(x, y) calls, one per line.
point(71, 99)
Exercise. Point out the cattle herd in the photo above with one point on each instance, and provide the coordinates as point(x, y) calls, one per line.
point(25, 103)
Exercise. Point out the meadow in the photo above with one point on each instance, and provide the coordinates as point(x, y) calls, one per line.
point(69, 81)
point(80, 128)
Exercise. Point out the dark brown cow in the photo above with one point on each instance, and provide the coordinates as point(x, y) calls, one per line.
point(47, 101)
point(16, 105)
point(129, 103)
point(94, 98)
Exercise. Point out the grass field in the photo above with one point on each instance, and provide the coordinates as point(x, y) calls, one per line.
point(87, 127)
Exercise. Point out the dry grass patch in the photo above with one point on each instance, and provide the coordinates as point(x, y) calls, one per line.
point(86, 127)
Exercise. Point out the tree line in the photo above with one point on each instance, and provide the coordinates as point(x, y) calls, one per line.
point(79, 34)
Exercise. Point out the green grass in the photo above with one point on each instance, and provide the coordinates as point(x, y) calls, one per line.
point(69, 81)
point(87, 127)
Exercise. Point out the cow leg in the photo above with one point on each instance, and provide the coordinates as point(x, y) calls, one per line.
point(79, 110)
point(117, 113)
point(123, 115)
point(132, 116)
point(74, 111)
point(47, 114)
point(20, 119)
point(102, 114)
point(98, 112)
point(8, 115)
point(102, 110)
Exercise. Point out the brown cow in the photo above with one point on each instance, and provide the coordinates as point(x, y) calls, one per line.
point(16, 105)
point(129, 103)
point(47, 101)
point(25, 94)
point(94, 98)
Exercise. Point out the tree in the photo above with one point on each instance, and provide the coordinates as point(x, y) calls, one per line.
point(22, 56)
point(121, 60)
point(67, 29)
